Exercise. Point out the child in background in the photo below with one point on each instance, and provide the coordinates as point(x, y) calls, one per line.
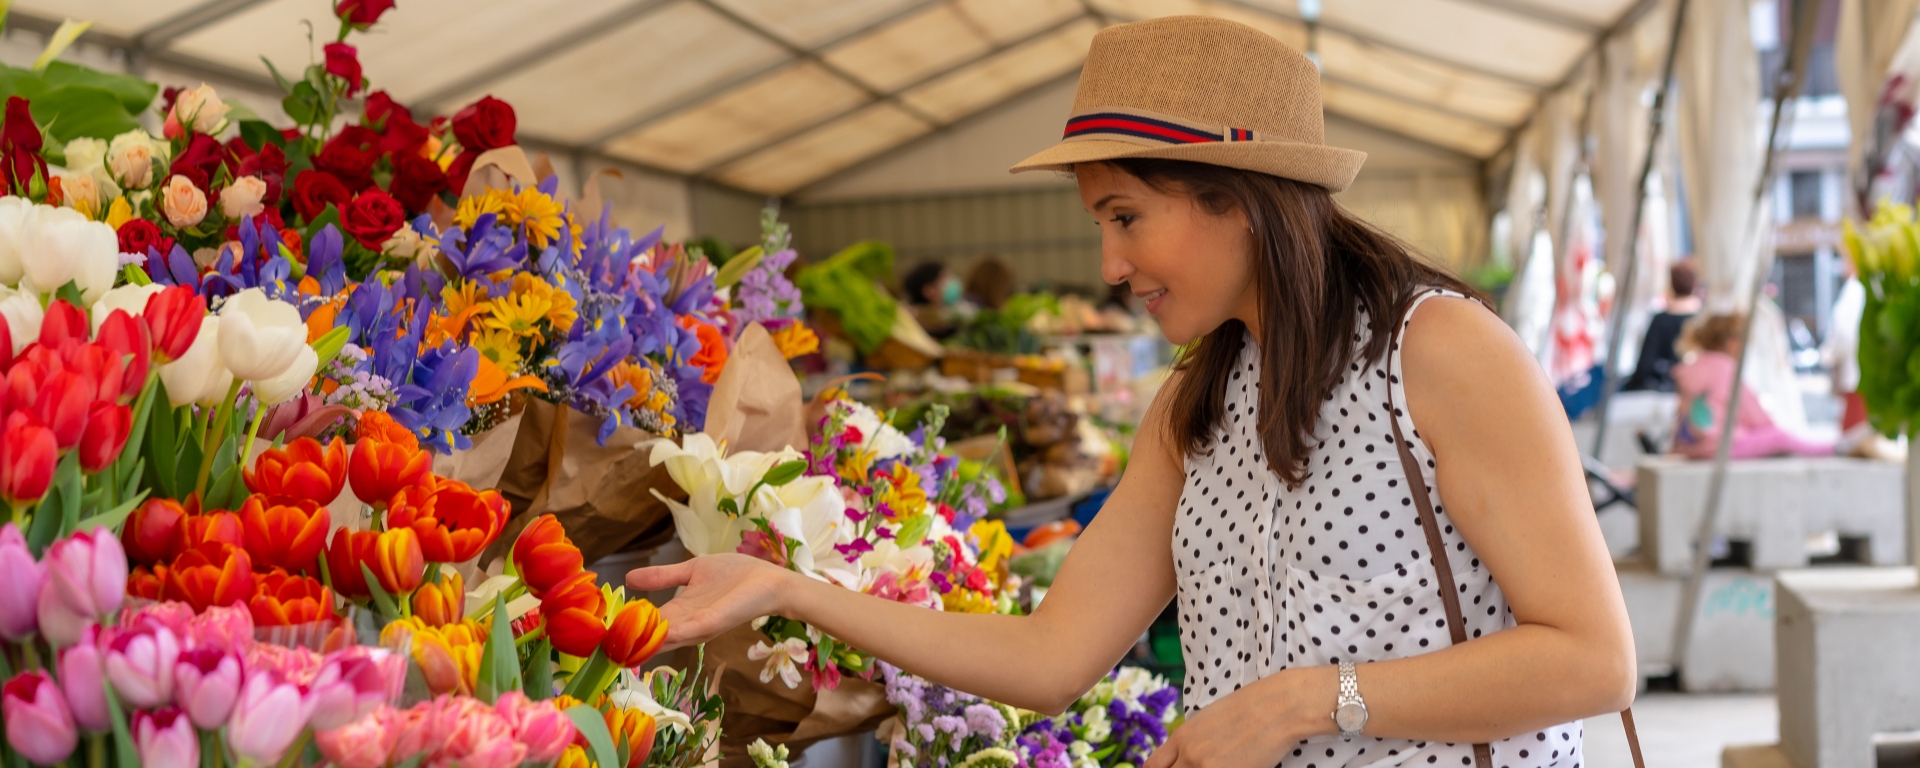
point(1704, 379)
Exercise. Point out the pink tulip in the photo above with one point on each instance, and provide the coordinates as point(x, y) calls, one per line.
point(39, 726)
point(82, 680)
point(140, 660)
point(226, 627)
point(425, 728)
point(355, 681)
point(206, 681)
point(89, 572)
point(268, 715)
point(165, 739)
point(480, 739)
point(23, 577)
point(364, 743)
point(546, 731)
point(60, 624)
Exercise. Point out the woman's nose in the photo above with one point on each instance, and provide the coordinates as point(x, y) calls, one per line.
point(1114, 268)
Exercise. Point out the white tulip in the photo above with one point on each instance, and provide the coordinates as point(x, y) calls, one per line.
point(23, 313)
point(131, 299)
point(259, 337)
point(198, 376)
point(17, 221)
point(64, 246)
point(290, 382)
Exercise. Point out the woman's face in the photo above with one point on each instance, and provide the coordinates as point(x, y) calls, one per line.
point(1193, 269)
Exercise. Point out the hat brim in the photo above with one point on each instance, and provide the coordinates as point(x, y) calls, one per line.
point(1330, 167)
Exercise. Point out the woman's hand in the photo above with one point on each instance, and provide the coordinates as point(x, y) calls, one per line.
point(1250, 728)
point(721, 592)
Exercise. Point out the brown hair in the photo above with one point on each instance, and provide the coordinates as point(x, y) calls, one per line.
point(1714, 333)
point(1681, 278)
point(990, 282)
point(1316, 267)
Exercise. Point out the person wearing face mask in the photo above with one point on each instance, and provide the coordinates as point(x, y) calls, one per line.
point(1357, 488)
point(934, 295)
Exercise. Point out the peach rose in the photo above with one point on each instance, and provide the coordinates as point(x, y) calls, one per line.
point(130, 158)
point(183, 203)
point(198, 108)
point(242, 197)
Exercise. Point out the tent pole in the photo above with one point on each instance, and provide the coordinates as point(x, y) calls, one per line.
point(1786, 86)
point(1623, 295)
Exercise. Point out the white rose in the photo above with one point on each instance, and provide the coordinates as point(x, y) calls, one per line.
point(201, 109)
point(198, 376)
point(260, 338)
point(242, 198)
point(86, 154)
point(23, 313)
point(131, 299)
point(290, 382)
point(130, 158)
point(63, 246)
point(408, 244)
point(17, 221)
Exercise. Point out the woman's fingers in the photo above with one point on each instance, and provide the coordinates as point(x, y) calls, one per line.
point(660, 577)
point(1165, 756)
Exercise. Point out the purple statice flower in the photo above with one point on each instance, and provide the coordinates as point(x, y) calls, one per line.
point(925, 732)
point(765, 294)
point(1158, 701)
point(986, 722)
point(359, 388)
point(955, 727)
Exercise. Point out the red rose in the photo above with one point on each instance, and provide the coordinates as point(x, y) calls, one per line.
point(344, 62)
point(313, 191)
point(137, 235)
point(361, 12)
point(352, 165)
point(270, 164)
point(485, 124)
point(372, 217)
point(168, 96)
point(20, 142)
point(381, 107)
point(404, 136)
point(458, 170)
point(198, 162)
point(416, 180)
point(356, 136)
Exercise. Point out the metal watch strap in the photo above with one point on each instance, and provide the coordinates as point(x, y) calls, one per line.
point(1349, 697)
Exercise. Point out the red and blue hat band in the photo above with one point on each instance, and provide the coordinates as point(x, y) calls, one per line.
point(1157, 129)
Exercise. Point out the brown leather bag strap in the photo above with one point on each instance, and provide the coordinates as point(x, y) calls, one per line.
point(1437, 549)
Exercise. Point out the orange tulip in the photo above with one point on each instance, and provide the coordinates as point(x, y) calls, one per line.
point(212, 573)
point(442, 602)
point(575, 615)
point(147, 583)
point(380, 469)
point(633, 729)
point(454, 521)
point(378, 426)
point(448, 657)
point(302, 470)
point(345, 552)
point(397, 562)
point(284, 533)
point(545, 556)
point(283, 600)
point(635, 634)
point(198, 528)
point(152, 531)
point(574, 757)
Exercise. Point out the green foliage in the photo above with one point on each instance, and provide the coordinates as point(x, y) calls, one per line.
point(1884, 255)
point(848, 283)
point(69, 101)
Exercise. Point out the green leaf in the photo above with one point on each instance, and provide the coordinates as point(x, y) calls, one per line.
point(738, 266)
point(70, 112)
point(238, 112)
point(67, 478)
point(112, 518)
point(226, 490)
point(592, 677)
point(328, 346)
point(123, 751)
point(593, 726)
point(134, 275)
point(57, 42)
point(46, 522)
point(70, 293)
point(381, 599)
point(914, 529)
point(135, 95)
point(258, 134)
point(329, 216)
point(500, 659)
point(785, 473)
point(278, 79)
point(302, 103)
point(539, 672)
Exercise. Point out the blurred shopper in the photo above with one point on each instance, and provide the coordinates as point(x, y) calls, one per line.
point(1704, 381)
point(990, 283)
point(1658, 351)
point(934, 296)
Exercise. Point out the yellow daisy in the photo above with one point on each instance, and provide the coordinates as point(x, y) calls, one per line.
point(563, 314)
point(502, 347)
point(540, 214)
point(519, 314)
point(473, 206)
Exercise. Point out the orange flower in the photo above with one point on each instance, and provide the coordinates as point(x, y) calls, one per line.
point(322, 319)
point(713, 348)
point(575, 614)
point(283, 600)
point(397, 562)
point(635, 634)
point(544, 555)
point(302, 470)
point(377, 425)
point(454, 521)
point(634, 730)
point(285, 534)
point(212, 573)
point(198, 528)
point(345, 552)
point(379, 469)
point(574, 757)
point(145, 583)
point(448, 657)
point(442, 602)
point(491, 385)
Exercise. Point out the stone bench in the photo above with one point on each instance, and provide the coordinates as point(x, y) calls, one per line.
point(1848, 641)
point(1732, 646)
point(1773, 505)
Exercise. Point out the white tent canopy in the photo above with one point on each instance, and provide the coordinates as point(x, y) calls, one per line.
point(774, 95)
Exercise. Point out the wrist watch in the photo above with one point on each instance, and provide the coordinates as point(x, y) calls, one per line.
point(1350, 716)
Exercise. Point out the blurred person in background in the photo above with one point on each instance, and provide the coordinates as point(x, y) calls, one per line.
point(1658, 351)
point(1704, 380)
point(989, 283)
point(934, 296)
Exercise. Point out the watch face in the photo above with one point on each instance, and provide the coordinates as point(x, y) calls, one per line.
point(1350, 718)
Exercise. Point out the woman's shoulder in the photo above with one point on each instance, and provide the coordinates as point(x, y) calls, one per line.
point(1455, 350)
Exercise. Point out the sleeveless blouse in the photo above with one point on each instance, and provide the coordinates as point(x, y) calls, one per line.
point(1271, 577)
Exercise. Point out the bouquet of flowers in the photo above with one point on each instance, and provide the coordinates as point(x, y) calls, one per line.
point(1887, 260)
point(1120, 722)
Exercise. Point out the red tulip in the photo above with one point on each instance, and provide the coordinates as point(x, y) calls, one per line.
point(575, 614)
point(150, 584)
point(126, 336)
point(545, 556)
point(62, 406)
point(635, 634)
point(454, 521)
point(380, 469)
point(22, 383)
point(173, 319)
point(302, 470)
point(6, 343)
point(284, 533)
point(210, 574)
point(198, 528)
point(64, 324)
point(28, 455)
point(345, 552)
point(152, 533)
point(104, 436)
point(283, 600)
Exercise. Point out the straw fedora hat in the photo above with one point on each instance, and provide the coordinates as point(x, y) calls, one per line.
point(1201, 89)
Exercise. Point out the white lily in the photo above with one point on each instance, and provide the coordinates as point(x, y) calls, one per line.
point(636, 692)
point(810, 512)
point(703, 469)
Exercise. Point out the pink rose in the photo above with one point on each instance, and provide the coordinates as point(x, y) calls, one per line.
point(182, 202)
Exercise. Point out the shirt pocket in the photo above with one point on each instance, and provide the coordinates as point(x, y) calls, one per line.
point(1332, 620)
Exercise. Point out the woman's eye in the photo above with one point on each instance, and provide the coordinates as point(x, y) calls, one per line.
point(1125, 219)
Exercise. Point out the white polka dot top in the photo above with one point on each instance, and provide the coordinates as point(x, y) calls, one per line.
point(1335, 570)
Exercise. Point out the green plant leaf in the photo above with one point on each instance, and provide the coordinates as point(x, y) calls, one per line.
point(539, 672)
point(135, 94)
point(593, 726)
point(328, 346)
point(381, 600)
point(135, 276)
point(499, 659)
point(781, 474)
point(57, 42)
point(258, 134)
point(112, 518)
point(123, 750)
point(738, 266)
point(915, 528)
point(70, 112)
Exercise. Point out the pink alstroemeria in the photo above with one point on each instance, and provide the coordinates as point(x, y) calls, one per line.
point(269, 714)
point(206, 682)
point(82, 680)
point(140, 660)
point(39, 727)
point(165, 738)
point(544, 730)
point(23, 576)
point(353, 682)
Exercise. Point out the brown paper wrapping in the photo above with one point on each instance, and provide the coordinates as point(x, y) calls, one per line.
point(482, 464)
point(756, 402)
point(795, 717)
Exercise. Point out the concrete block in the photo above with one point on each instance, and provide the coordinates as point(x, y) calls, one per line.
point(1756, 756)
point(1849, 662)
point(1630, 414)
point(1732, 646)
point(1774, 504)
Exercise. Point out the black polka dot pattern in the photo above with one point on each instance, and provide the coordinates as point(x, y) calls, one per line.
point(1335, 570)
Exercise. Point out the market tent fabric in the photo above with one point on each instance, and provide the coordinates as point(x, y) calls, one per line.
point(774, 95)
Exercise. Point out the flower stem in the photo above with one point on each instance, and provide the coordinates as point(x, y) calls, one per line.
point(253, 431)
point(222, 415)
point(532, 635)
point(97, 751)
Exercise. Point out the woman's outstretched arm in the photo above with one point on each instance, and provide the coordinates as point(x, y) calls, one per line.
point(1115, 581)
